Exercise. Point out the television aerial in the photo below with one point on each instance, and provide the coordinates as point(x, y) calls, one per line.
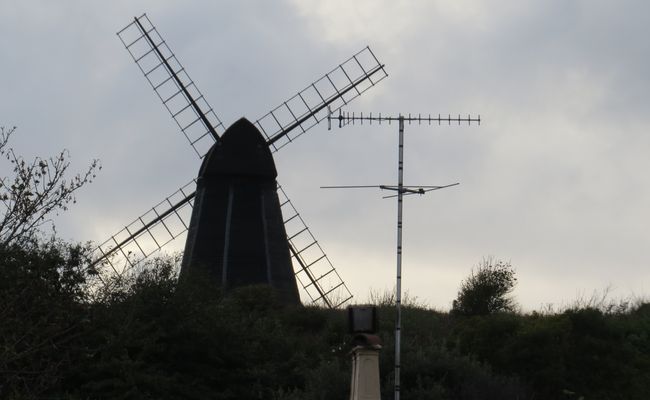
point(400, 191)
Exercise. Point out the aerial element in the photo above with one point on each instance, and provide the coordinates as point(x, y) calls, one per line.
point(401, 190)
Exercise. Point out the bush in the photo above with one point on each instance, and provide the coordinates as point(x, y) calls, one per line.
point(486, 290)
point(42, 315)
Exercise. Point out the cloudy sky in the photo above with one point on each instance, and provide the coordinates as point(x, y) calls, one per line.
point(555, 180)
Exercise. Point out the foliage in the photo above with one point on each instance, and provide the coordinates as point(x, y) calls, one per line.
point(578, 353)
point(43, 313)
point(486, 290)
point(154, 338)
point(148, 336)
point(37, 189)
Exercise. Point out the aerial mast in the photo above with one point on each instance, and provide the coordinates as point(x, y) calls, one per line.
point(401, 190)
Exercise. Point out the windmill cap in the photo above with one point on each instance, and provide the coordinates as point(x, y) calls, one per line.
point(241, 152)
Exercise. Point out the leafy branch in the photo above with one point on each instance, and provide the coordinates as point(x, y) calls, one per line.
point(37, 189)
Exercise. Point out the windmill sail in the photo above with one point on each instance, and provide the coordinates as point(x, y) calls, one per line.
point(314, 270)
point(170, 81)
point(146, 235)
point(335, 89)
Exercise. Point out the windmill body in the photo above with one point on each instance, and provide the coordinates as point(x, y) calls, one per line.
point(236, 235)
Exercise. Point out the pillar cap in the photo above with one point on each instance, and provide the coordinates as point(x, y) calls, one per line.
point(366, 340)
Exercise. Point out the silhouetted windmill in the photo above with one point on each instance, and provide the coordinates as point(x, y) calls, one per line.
point(243, 229)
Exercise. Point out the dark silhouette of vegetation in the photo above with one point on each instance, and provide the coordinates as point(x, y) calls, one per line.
point(487, 289)
point(148, 337)
point(42, 313)
point(144, 336)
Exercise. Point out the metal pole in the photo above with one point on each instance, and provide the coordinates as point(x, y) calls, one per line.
point(349, 119)
point(398, 287)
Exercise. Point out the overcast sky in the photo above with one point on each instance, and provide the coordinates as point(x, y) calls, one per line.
point(555, 180)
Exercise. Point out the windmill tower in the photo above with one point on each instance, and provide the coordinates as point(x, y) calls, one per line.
point(243, 229)
point(236, 235)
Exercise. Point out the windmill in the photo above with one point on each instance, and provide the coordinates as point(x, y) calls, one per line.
point(242, 228)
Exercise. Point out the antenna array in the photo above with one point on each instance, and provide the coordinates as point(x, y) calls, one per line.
point(345, 118)
point(400, 190)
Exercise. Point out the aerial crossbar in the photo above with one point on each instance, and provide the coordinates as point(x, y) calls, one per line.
point(346, 118)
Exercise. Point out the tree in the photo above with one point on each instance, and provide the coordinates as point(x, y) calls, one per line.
point(43, 312)
point(43, 292)
point(487, 289)
point(37, 189)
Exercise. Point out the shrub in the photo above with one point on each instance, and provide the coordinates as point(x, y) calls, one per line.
point(486, 290)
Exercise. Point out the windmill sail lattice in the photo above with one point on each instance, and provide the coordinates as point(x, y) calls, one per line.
point(181, 97)
point(310, 106)
point(196, 119)
point(171, 83)
point(147, 234)
point(314, 271)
